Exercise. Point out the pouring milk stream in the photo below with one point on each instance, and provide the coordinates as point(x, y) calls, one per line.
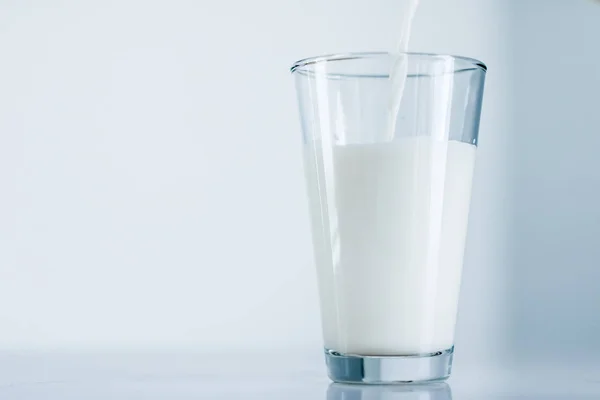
point(399, 69)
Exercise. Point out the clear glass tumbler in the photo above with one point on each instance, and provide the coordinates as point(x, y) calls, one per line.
point(389, 183)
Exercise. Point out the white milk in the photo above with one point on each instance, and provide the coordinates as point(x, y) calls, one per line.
point(389, 224)
point(399, 70)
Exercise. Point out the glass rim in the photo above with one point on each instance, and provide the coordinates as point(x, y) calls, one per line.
point(300, 65)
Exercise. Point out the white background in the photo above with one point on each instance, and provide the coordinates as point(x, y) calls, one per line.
point(151, 190)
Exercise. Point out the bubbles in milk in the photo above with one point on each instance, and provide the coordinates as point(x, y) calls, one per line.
point(399, 70)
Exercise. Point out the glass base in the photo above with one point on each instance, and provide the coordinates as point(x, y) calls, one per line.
point(387, 370)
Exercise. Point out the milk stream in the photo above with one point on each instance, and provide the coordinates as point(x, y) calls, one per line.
point(399, 70)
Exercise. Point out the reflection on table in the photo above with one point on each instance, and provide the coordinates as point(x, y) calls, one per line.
point(432, 391)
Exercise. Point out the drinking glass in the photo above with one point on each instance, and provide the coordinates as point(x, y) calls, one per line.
point(389, 143)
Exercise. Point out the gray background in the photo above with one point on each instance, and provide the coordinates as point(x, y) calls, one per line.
point(554, 273)
point(151, 191)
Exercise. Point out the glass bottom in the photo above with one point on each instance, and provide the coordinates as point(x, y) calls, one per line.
point(387, 370)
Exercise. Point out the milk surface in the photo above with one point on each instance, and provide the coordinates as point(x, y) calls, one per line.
point(389, 222)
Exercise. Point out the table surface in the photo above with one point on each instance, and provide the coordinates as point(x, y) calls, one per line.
point(131, 376)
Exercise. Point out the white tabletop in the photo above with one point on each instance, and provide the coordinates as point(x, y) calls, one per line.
point(198, 376)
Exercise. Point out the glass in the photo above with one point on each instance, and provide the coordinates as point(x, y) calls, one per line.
point(389, 183)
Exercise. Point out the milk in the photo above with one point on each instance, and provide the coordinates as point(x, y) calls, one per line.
point(389, 222)
point(399, 69)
